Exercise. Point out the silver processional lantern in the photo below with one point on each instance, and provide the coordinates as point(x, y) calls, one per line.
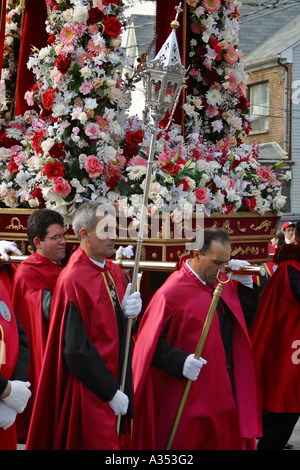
point(164, 76)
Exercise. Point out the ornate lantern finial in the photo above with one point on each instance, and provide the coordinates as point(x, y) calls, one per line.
point(165, 75)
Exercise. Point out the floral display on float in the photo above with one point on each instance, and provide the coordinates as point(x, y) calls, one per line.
point(84, 146)
point(217, 75)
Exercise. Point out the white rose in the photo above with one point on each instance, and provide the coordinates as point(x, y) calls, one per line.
point(80, 14)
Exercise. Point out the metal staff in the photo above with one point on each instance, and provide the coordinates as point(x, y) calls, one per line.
point(137, 261)
point(206, 326)
point(166, 266)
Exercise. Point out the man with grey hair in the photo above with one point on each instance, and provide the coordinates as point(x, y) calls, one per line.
point(84, 357)
point(221, 411)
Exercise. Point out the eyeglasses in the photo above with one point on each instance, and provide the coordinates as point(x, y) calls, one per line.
point(57, 238)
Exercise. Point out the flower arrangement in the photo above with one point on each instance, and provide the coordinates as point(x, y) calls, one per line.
point(217, 106)
point(82, 145)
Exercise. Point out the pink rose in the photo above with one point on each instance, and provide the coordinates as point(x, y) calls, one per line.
point(93, 166)
point(202, 196)
point(61, 186)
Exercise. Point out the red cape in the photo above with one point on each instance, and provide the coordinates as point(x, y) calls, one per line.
point(273, 333)
point(34, 275)
point(210, 419)
point(9, 340)
point(66, 415)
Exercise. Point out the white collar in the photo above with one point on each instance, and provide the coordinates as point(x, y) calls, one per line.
point(101, 265)
point(194, 272)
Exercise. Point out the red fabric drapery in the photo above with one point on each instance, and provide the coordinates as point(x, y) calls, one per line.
point(33, 34)
point(2, 30)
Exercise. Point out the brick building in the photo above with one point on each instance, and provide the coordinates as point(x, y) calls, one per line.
point(273, 66)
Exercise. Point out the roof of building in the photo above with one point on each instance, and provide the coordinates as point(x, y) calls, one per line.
point(260, 22)
point(285, 37)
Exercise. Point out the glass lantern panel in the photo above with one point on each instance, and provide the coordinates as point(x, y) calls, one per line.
point(155, 89)
point(171, 90)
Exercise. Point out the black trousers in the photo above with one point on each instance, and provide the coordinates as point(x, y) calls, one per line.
point(277, 429)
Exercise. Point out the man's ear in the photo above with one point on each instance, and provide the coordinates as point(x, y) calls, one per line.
point(84, 235)
point(196, 254)
point(37, 243)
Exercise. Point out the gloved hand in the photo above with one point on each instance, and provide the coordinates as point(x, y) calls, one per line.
point(236, 265)
point(19, 395)
point(126, 252)
point(7, 416)
point(119, 403)
point(192, 367)
point(7, 247)
point(132, 303)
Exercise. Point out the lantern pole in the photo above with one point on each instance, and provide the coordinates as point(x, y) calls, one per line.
point(165, 76)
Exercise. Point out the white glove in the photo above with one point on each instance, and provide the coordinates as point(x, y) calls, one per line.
point(192, 367)
point(8, 247)
point(236, 265)
point(119, 403)
point(19, 395)
point(7, 416)
point(126, 252)
point(132, 303)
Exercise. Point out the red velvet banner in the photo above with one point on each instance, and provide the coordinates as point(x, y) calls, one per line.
point(2, 30)
point(33, 34)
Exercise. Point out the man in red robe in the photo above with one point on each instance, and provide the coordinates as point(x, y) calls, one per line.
point(221, 411)
point(275, 336)
point(14, 361)
point(79, 392)
point(32, 289)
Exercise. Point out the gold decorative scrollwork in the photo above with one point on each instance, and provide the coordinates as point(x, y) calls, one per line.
point(226, 226)
point(15, 224)
point(254, 250)
point(238, 224)
point(265, 224)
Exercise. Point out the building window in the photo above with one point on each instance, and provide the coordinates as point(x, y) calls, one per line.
point(259, 106)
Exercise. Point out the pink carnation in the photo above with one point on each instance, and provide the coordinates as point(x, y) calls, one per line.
point(61, 186)
point(134, 161)
point(85, 88)
point(92, 130)
point(93, 166)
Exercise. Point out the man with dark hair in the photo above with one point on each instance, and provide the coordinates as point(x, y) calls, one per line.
point(275, 336)
point(221, 411)
point(79, 393)
point(32, 289)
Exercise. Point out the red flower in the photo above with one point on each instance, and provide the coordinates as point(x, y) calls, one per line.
point(12, 166)
point(57, 151)
point(112, 27)
point(48, 98)
point(211, 76)
point(134, 137)
point(62, 63)
point(250, 204)
point(38, 193)
point(95, 16)
point(37, 140)
point(53, 170)
point(108, 2)
point(51, 39)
